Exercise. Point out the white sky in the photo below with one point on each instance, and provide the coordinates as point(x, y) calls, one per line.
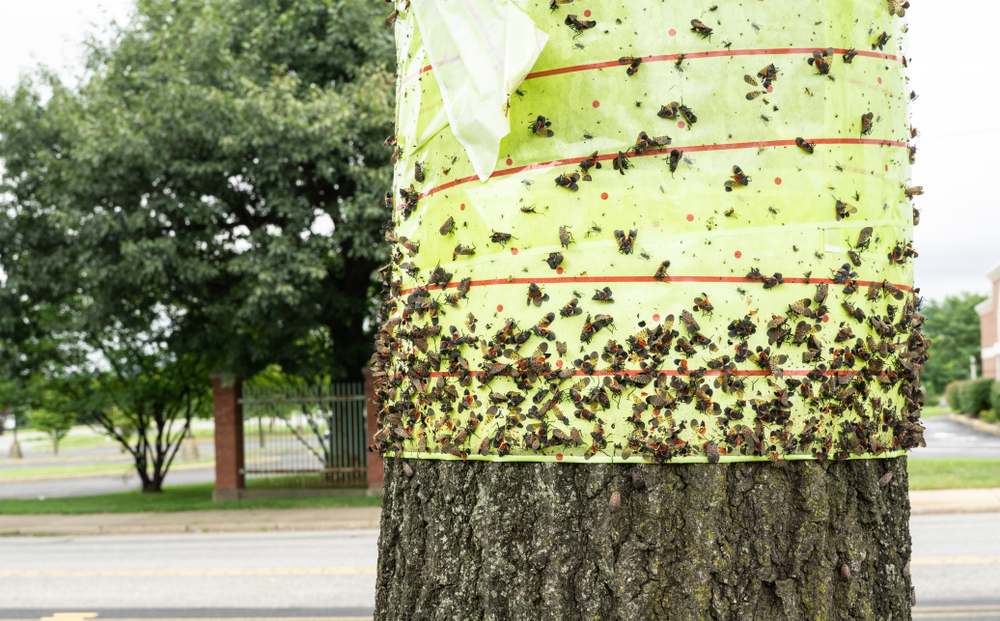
point(959, 235)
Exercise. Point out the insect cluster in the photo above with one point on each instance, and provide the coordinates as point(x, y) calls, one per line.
point(823, 366)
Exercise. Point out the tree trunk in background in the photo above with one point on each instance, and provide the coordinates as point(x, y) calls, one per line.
point(543, 541)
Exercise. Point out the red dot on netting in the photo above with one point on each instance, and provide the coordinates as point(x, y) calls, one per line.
point(770, 88)
point(690, 217)
point(656, 317)
point(509, 161)
point(777, 181)
point(586, 13)
point(680, 124)
point(462, 207)
point(656, 224)
point(826, 318)
point(886, 168)
point(604, 196)
point(597, 104)
point(559, 270)
point(880, 80)
point(499, 308)
point(559, 363)
point(671, 32)
point(513, 250)
point(737, 254)
point(558, 456)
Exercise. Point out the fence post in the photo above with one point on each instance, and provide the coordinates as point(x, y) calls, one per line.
point(226, 394)
point(375, 466)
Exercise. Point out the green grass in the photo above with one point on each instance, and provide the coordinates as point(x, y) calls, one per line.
point(90, 440)
point(930, 411)
point(951, 473)
point(42, 472)
point(196, 497)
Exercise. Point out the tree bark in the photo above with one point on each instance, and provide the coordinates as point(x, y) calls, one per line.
point(544, 541)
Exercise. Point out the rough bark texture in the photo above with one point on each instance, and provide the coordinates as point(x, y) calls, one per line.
point(542, 541)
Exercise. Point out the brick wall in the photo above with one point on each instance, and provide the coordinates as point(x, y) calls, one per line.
point(226, 394)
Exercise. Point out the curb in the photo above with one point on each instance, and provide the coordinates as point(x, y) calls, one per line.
point(975, 423)
point(128, 470)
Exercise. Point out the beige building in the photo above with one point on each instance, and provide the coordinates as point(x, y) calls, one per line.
point(988, 327)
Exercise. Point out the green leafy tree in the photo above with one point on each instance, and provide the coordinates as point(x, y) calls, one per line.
point(953, 327)
point(208, 199)
point(55, 424)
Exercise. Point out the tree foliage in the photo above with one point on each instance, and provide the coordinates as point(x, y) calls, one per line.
point(55, 424)
point(953, 327)
point(207, 199)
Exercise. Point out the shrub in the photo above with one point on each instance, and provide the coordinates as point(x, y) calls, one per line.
point(951, 396)
point(974, 396)
point(995, 398)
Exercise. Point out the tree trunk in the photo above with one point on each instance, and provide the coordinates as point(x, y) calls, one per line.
point(537, 541)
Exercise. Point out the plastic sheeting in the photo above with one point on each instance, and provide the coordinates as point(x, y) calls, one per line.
point(854, 396)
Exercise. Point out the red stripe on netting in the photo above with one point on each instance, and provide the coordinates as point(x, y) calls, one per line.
point(774, 51)
point(572, 161)
point(551, 280)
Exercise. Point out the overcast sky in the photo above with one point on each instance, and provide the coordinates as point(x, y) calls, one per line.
point(959, 234)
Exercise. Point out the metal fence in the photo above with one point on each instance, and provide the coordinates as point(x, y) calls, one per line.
point(304, 436)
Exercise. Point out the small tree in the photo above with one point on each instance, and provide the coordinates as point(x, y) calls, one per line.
point(55, 424)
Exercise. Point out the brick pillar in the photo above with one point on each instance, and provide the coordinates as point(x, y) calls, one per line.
point(375, 466)
point(226, 394)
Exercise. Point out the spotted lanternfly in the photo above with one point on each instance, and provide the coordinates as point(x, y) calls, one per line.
point(587, 164)
point(916, 190)
point(528, 209)
point(603, 295)
point(632, 61)
point(555, 258)
point(389, 204)
point(702, 304)
point(578, 26)
point(913, 155)
point(867, 123)
point(616, 499)
point(739, 179)
point(689, 322)
point(571, 309)
point(501, 238)
point(843, 274)
point(700, 29)
point(643, 143)
point(554, 4)
point(661, 273)
point(916, 216)
point(540, 127)
point(389, 21)
point(418, 172)
point(864, 238)
point(677, 63)
point(626, 242)
point(669, 111)
point(463, 250)
point(808, 147)
point(849, 55)
point(688, 115)
point(885, 479)
point(565, 237)
point(712, 452)
point(395, 155)
point(754, 94)
point(773, 281)
point(855, 258)
point(448, 227)
point(568, 181)
point(844, 210)
point(819, 60)
point(536, 296)
point(881, 41)
point(621, 162)
point(898, 8)
point(768, 74)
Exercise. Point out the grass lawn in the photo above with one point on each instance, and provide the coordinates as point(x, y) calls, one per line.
point(950, 473)
point(930, 411)
point(196, 497)
point(43, 472)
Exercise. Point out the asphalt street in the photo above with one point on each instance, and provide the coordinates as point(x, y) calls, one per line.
point(331, 574)
point(949, 439)
point(108, 484)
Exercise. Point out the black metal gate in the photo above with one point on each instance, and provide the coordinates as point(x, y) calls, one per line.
point(304, 436)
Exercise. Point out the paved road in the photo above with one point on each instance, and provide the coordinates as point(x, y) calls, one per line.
point(949, 439)
point(956, 570)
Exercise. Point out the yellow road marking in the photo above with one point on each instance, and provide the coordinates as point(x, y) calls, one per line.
point(140, 573)
point(955, 560)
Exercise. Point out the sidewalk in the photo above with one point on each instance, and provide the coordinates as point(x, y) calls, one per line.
point(332, 518)
point(349, 518)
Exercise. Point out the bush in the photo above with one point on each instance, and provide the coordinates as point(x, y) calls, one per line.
point(974, 396)
point(951, 396)
point(995, 398)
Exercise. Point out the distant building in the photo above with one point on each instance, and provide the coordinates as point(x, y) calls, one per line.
point(989, 322)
